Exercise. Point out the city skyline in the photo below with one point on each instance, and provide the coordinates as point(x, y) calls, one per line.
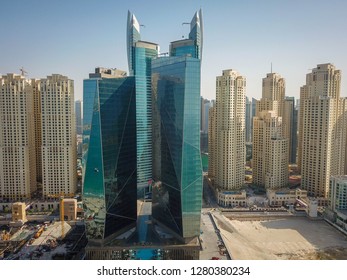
point(74, 45)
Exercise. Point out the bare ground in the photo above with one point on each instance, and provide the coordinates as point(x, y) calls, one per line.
point(288, 238)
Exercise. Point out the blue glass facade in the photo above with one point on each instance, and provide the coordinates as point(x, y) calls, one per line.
point(142, 127)
point(176, 100)
point(144, 52)
point(109, 156)
point(192, 46)
point(133, 35)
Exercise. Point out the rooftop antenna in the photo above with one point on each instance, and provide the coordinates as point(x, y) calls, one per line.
point(23, 72)
point(271, 67)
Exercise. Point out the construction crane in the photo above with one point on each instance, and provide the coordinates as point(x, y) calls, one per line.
point(23, 72)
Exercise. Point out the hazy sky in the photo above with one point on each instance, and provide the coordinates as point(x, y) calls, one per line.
point(72, 37)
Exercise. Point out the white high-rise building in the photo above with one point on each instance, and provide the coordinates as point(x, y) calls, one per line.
point(322, 129)
point(338, 192)
point(58, 136)
point(270, 144)
point(17, 146)
point(230, 130)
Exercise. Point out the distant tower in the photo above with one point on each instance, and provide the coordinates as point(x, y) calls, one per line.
point(248, 120)
point(290, 127)
point(322, 129)
point(78, 113)
point(230, 130)
point(212, 142)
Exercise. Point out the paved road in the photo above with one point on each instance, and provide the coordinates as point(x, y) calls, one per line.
point(210, 238)
point(208, 194)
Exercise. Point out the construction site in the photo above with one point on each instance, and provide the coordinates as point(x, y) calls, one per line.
point(284, 236)
point(59, 235)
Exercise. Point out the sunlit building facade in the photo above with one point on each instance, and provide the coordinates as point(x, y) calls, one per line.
point(58, 136)
point(270, 142)
point(322, 129)
point(17, 146)
point(230, 130)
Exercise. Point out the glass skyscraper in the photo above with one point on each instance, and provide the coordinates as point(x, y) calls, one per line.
point(133, 133)
point(193, 45)
point(140, 55)
point(133, 35)
point(177, 196)
point(109, 156)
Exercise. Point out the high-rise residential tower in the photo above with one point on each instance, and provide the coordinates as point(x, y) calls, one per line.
point(230, 130)
point(176, 135)
point(322, 129)
point(270, 151)
point(58, 136)
point(17, 146)
point(270, 145)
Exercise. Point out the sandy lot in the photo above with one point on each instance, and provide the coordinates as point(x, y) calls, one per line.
point(282, 238)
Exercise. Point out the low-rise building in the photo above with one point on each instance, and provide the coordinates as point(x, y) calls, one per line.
point(284, 197)
point(232, 198)
point(68, 209)
point(336, 211)
point(18, 212)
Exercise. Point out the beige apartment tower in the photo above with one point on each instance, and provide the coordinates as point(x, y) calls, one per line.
point(270, 144)
point(322, 130)
point(270, 151)
point(17, 146)
point(229, 157)
point(58, 136)
point(37, 136)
